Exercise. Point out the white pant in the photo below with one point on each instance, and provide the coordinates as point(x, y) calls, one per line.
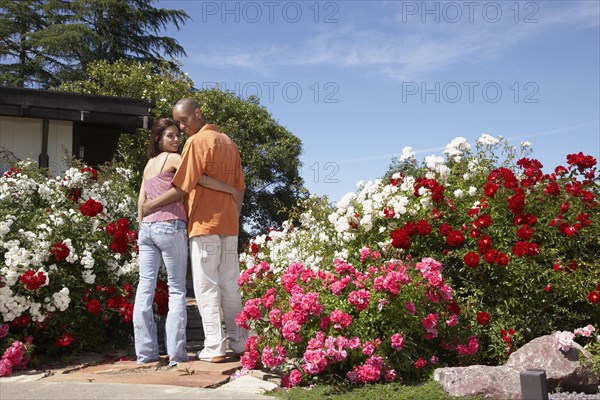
point(215, 272)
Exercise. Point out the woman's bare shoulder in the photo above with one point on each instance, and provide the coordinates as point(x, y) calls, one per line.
point(174, 161)
point(148, 167)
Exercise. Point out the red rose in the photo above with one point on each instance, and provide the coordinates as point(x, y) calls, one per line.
point(91, 171)
point(489, 189)
point(455, 238)
point(526, 249)
point(21, 322)
point(516, 202)
point(74, 195)
point(485, 243)
point(501, 259)
point(454, 308)
point(581, 161)
point(594, 297)
point(410, 228)
point(388, 213)
point(490, 256)
point(524, 232)
point(483, 221)
point(483, 318)
point(91, 208)
point(161, 297)
point(60, 251)
point(32, 279)
point(400, 239)
point(423, 227)
point(126, 312)
point(471, 259)
point(129, 289)
point(119, 246)
point(552, 189)
point(584, 219)
point(115, 302)
point(123, 224)
point(64, 340)
point(445, 229)
point(94, 307)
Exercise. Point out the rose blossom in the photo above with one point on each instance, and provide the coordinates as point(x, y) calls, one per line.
point(295, 377)
point(564, 339)
point(5, 368)
point(483, 318)
point(3, 330)
point(420, 363)
point(390, 376)
point(359, 299)
point(397, 341)
point(91, 208)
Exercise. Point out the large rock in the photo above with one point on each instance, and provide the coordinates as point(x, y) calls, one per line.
point(562, 368)
point(503, 382)
point(480, 380)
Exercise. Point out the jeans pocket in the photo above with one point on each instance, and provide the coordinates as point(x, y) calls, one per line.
point(169, 227)
point(143, 233)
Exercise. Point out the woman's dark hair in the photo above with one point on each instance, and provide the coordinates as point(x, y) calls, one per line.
point(156, 134)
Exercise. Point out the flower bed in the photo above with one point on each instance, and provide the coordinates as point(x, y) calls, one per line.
point(69, 263)
point(458, 261)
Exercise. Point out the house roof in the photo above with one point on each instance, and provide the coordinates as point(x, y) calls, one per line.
point(123, 113)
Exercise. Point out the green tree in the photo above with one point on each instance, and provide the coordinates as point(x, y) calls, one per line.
point(23, 60)
point(52, 41)
point(404, 167)
point(270, 153)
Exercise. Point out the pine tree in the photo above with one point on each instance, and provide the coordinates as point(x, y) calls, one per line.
point(23, 61)
point(50, 41)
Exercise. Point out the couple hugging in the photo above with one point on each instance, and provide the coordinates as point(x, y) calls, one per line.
point(208, 174)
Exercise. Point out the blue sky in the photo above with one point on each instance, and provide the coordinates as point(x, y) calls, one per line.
point(357, 81)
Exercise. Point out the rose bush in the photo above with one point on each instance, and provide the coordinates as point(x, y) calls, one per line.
point(453, 263)
point(68, 256)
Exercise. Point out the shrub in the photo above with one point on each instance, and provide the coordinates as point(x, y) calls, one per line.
point(69, 262)
point(514, 242)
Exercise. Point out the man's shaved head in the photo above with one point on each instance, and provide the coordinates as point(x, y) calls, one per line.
point(188, 115)
point(187, 104)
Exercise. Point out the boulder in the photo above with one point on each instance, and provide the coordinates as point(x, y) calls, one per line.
point(562, 367)
point(480, 380)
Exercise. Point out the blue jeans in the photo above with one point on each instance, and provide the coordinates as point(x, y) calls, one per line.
point(166, 240)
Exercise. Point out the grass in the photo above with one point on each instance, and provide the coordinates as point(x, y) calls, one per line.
point(430, 390)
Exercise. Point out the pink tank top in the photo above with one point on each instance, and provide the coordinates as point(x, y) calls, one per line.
point(156, 186)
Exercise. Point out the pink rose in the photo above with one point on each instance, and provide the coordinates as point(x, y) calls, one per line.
point(5, 368)
point(565, 339)
point(3, 330)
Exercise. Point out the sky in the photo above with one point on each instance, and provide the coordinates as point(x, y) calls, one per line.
point(357, 81)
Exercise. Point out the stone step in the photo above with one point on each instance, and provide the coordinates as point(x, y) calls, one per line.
point(194, 331)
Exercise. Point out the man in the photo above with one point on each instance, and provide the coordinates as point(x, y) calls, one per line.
point(212, 227)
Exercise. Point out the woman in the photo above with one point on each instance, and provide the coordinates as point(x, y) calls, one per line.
point(163, 234)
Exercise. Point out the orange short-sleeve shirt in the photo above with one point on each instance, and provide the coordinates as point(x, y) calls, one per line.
point(210, 152)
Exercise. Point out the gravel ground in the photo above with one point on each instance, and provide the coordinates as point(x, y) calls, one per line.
point(573, 396)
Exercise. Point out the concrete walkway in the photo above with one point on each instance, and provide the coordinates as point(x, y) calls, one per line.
point(95, 377)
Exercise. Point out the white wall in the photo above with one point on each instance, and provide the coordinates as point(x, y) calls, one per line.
point(60, 143)
point(23, 137)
